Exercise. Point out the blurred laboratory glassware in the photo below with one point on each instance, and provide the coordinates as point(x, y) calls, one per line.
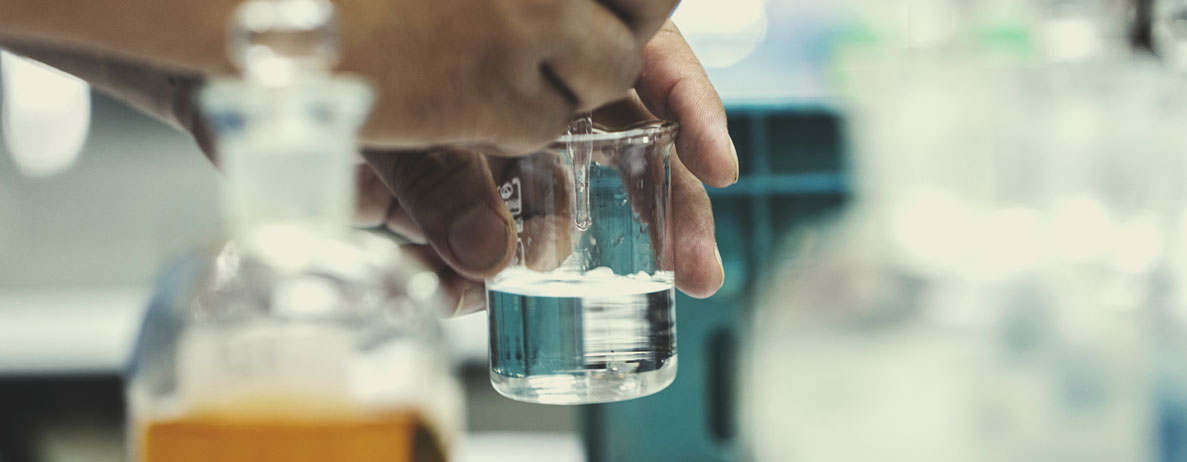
point(1082, 30)
point(1169, 287)
point(930, 324)
point(1168, 30)
point(1120, 206)
point(298, 339)
point(585, 316)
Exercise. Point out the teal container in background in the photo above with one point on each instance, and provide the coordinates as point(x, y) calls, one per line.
point(792, 164)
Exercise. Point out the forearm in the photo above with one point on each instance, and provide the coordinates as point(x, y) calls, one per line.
point(186, 34)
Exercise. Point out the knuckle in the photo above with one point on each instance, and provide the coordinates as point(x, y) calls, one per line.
point(632, 67)
point(530, 133)
point(425, 176)
point(538, 21)
point(549, 130)
point(529, 140)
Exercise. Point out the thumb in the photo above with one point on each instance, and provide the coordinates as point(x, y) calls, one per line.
point(451, 197)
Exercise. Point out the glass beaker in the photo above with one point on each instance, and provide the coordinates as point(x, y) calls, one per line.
point(586, 311)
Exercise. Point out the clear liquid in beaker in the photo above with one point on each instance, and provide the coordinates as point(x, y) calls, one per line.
point(596, 337)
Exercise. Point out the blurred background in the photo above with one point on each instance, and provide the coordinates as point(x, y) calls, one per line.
point(82, 236)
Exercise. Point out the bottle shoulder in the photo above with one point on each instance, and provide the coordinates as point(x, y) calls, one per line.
point(296, 277)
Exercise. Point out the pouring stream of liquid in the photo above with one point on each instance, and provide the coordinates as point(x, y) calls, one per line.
point(580, 153)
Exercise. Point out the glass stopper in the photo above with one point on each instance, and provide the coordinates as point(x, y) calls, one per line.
point(276, 42)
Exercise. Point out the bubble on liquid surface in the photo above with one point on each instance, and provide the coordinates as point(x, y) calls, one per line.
point(598, 282)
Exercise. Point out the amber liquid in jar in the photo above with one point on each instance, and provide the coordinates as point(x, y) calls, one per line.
point(389, 437)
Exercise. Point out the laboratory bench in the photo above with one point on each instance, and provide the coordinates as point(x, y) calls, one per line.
point(67, 417)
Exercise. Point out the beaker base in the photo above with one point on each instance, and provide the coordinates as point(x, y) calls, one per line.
point(589, 387)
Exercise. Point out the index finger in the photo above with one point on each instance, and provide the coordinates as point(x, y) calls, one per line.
point(674, 86)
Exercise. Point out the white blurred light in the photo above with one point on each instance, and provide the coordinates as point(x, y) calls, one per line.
point(722, 33)
point(1081, 228)
point(1139, 244)
point(305, 296)
point(423, 285)
point(933, 231)
point(284, 246)
point(46, 115)
point(1070, 39)
point(934, 26)
point(1011, 241)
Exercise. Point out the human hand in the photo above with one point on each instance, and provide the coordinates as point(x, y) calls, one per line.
point(507, 74)
point(435, 197)
point(451, 190)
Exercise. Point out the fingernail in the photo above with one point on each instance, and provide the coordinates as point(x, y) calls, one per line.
point(737, 165)
point(472, 301)
point(479, 239)
point(720, 265)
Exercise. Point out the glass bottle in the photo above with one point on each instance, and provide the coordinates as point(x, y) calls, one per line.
point(298, 338)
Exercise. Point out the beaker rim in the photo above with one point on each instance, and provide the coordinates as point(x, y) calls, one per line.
point(655, 131)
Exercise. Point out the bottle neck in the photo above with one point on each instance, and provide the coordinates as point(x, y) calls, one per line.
point(289, 154)
point(310, 188)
